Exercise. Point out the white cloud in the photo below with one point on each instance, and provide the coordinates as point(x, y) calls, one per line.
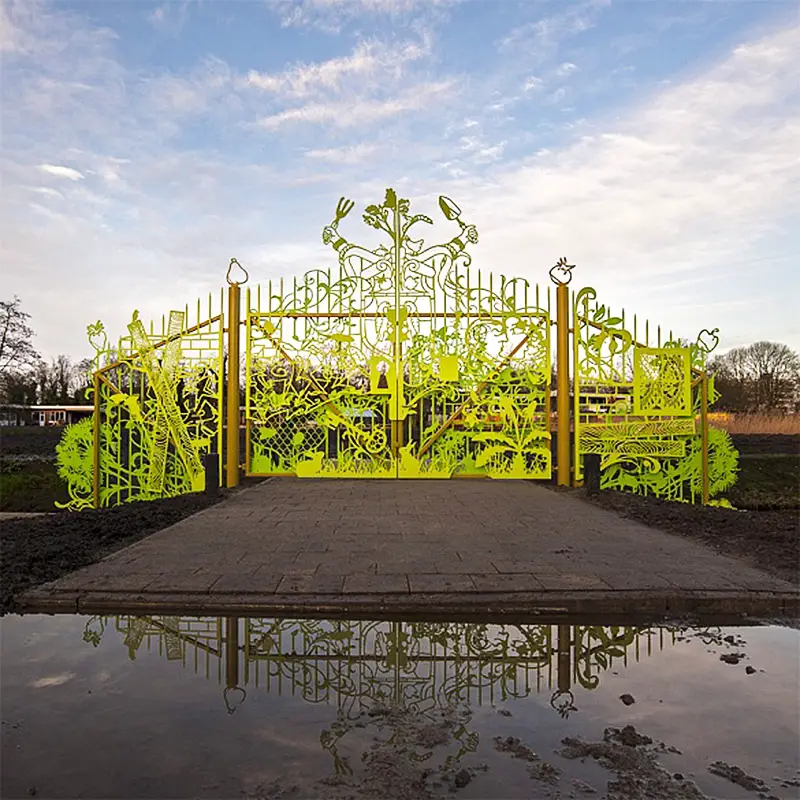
point(695, 177)
point(565, 69)
point(61, 172)
point(330, 15)
point(538, 40)
point(532, 84)
point(344, 114)
point(350, 154)
point(170, 18)
point(47, 191)
point(371, 62)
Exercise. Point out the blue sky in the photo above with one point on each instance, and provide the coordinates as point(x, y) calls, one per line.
point(656, 145)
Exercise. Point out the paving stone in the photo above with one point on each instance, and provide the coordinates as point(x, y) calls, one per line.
point(572, 581)
point(634, 580)
point(257, 583)
point(133, 582)
point(517, 582)
point(526, 567)
point(426, 583)
point(310, 584)
point(199, 582)
point(376, 584)
point(405, 567)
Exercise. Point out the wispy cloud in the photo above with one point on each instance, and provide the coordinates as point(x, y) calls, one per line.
point(331, 15)
point(350, 154)
point(344, 114)
point(371, 60)
point(540, 39)
point(170, 18)
point(61, 172)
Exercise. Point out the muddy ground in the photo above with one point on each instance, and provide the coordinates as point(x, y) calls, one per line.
point(768, 540)
point(36, 550)
point(407, 761)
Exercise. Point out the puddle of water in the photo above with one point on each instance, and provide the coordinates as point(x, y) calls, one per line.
point(164, 707)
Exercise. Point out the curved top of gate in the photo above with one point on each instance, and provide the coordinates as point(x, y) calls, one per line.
point(404, 271)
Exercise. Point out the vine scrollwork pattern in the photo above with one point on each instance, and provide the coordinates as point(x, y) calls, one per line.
point(400, 362)
point(159, 395)
point(637, 403)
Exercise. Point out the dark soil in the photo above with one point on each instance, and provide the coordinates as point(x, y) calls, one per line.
point(767, 483)
point(36, 550)
point(30, 440)
point(768, 540)
point(30, 485)
point(767, 443)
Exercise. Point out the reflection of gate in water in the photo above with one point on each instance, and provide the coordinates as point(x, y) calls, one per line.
point(354, 664)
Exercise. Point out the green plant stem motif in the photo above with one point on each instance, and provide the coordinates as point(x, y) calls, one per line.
point(169, 422)
point(393, 364)
point(677, 479)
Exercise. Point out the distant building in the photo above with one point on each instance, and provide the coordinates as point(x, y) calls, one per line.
point(43, 416)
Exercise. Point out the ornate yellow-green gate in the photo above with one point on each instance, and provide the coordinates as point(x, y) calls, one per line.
point(402, 362)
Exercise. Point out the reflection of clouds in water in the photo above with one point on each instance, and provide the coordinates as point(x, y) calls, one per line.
point(55, 680)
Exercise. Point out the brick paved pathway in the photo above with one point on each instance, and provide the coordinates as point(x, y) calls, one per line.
point(461, 546)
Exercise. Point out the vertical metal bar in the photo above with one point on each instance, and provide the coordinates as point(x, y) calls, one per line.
point(704, 433)
point(248, 349)
point(96, 450)
point(576, 392)
point(232, 461)
point(231, 652)
point(562, 385)
point(564, 651)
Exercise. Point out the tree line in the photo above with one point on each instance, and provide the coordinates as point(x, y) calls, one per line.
point(762, 377)
point(28, 379)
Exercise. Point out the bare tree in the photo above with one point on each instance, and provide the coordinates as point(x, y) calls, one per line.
point(17, 352)
point(57, 380)
point(763, 376)
point(18, 388)
point(776, 370)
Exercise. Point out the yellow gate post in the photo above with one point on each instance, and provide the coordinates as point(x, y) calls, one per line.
point(704, 433)
point(96, 432)
point(233, 412)
point(562, 369)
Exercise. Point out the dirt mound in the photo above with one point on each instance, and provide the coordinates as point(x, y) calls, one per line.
point(41, 549)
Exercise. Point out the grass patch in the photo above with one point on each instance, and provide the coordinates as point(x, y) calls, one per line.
point(770, 482)
point(30, 486)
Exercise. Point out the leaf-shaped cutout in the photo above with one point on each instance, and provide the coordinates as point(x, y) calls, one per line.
point(483, 458)
point(267, 433)
point(298, 438)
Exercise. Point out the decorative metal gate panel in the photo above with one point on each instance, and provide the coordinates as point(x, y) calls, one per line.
point(640, 403)
point(402, 362)
point(157, 399)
